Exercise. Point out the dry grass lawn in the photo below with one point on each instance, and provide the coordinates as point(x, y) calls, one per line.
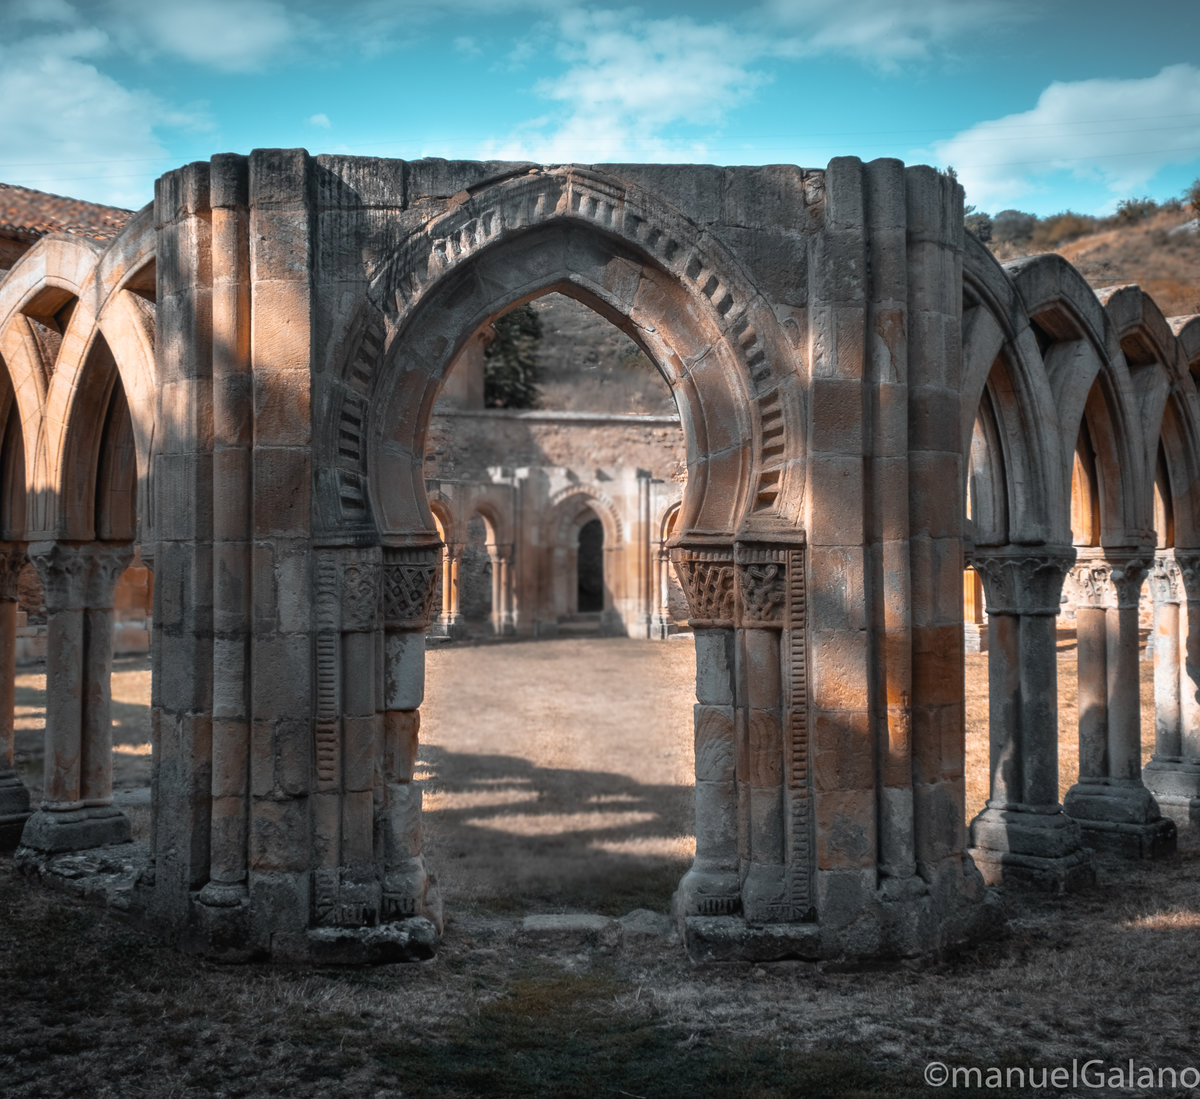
point(558, 778)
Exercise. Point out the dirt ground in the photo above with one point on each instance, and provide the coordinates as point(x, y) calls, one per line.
point(558, 778)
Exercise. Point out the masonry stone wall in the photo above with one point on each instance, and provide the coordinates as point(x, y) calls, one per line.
point(242, 386)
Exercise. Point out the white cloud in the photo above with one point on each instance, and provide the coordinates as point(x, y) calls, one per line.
point(229, 35)
point(466, 45)
point(1117, 132)
point(321, 120)
point(886, 33)
point(628, 81)
point(89, 135)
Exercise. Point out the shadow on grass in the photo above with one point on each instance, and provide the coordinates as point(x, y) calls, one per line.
point(507, 836)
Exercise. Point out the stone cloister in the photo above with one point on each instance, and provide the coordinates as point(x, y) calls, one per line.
point(240, 386)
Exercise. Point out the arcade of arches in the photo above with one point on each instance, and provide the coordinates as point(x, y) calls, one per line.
point(240, 387)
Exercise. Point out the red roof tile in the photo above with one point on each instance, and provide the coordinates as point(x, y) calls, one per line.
point(26, 214)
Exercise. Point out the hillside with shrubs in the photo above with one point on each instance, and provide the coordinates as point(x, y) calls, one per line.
point(1156, 245)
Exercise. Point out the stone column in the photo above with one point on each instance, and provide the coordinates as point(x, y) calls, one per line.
point(76, 811)
point(1023, 836)
point(502, 593)
point(14, 797)
point(409, 585)
point(1173, 773)
point(232, 519)
point(661, 626)
point(451, 620)
point(762, 605)
point(712, 887)
point(1115, 810)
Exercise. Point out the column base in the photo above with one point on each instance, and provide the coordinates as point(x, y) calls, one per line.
point(765, 895)
point(975, 637)
point(14, 811)
point(1121, 818)
point(1151, 840)
point(1176, 787)
point(1063, 874)
point(707, 891)
point(219, 925)
point(1183, 811)
point(1033, 850)
point(410, 891)
point(49, 831)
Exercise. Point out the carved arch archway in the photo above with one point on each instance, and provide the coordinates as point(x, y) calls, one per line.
point(644, 267)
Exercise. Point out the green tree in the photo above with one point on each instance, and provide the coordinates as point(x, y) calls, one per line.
point(1132, 210)
point(979, 223)
point(1013, 226)
point(510, 362)
point(1192, 197)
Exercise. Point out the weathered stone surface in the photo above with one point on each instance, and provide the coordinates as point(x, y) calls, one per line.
point(865, 399)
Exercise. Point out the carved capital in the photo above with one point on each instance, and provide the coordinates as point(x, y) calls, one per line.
point(409, 585)
point(1187, 561)
point(12, 560)
point(706, 576)
point(1109, 579)
point(762, 584)
point(63, 568)
point(1023, 580)
point(1166, 582)
point(108, 560)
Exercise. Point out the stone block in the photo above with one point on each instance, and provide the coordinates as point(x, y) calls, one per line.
point(282, 677)
point(714, 742)
point(837, 508)
point(281, 407)
point(840, 669)
point(845, 828)
point(404, 670)
point(842, 750)
point(402, 740)
point(836, 412)
point(764, 748)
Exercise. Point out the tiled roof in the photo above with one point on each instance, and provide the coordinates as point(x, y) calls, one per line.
point(26, 215)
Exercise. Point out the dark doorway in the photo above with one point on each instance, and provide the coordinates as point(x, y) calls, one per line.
point(591, 567)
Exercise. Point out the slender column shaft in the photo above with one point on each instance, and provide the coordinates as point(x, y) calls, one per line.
point(1168, 660)
point(1091, 629)
point(1124, 694)
point(62, 780)
point(8, 674)
point(1004, 709)
point(12, 560)
point(1039, 710)
point(14, 797)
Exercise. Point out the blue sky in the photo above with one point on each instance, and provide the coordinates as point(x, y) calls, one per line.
point(1039, 105)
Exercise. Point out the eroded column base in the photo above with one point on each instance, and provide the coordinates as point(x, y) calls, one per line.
point(51, 831)
point(887, 930)
point(858, 920)
point(1061, 874)
point(1121, 818)
point(1030, 849)
point(1151, 840)
point(1176, 788)
point(1183, 811)
point(707, 891)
